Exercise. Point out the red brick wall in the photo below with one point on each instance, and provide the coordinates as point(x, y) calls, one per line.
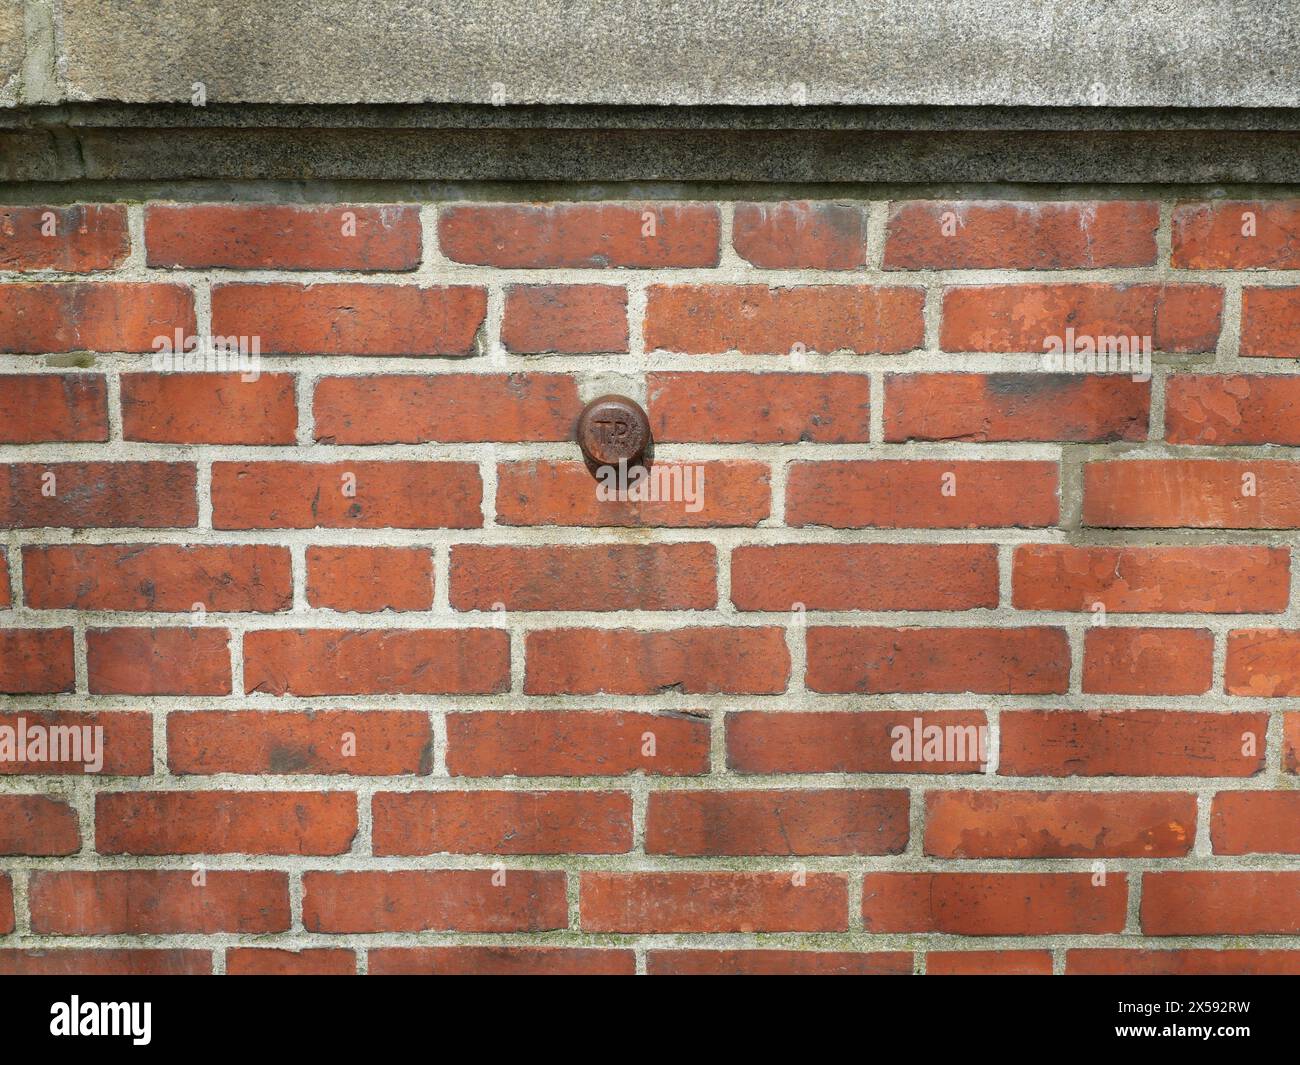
point(385, 687)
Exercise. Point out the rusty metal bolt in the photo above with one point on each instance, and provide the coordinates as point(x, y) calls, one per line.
point(613, 429)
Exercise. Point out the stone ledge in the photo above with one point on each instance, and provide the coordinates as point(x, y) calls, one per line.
point(115, 142)
point(1178, 53)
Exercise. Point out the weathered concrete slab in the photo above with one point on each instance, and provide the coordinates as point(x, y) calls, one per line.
point(1183, 53)
point(12, 51)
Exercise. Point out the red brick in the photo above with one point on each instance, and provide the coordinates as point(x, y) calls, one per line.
point(1061, 824)
point(1177, 318)
point(1130, 743)
point(500, 961)
point(377, 661)
point(1191, 493)
point(105, 962)
point(35, 661)
point(40, 318)
point(988, 963)
point(157, 661)
point(577, 743)
point(829, 777)
point(73, 240)
point(1015, 406)
point(742, 661)
point(1145, 580)
point(45, 408)
point(502, 822)
point(1270, 323)
point(757, 320)
point(1146, 961)
point(909, 493)
point(158, 902)
point(158, 577)
point(713, 902)
point(38, 825)
point(439, 900)
point(599, 577)
point(994, 904)
point(1209, 236)
point(794, 822)
point(1140, 661)
point(573, 319)
point(777, 963)
point(381, 742)
point(452, 408)
point(1263, 662)
point(1232, 409)
point(800, 235)
point(126, 748)
point(762, 408)
point(225, 822)
point(268, 236)
point(6, 596)
point(1028, 235)
point(319, 961)
point(351, 318)
point(1027, 661)
point(1255, 822)
point(721, 492)
point(370, 579)
point(865, 576)
point(209, 408)
point(146, 495)
point(879, 741)
point(6, 904)
point(580, 235)
point(1220, 903)
point(311, 495)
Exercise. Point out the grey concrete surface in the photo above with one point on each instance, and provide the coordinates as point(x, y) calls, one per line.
point(1176, 53)
point(12, 50)
point(762, 91)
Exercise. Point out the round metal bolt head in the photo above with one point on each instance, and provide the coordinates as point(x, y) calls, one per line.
point(613, 429)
